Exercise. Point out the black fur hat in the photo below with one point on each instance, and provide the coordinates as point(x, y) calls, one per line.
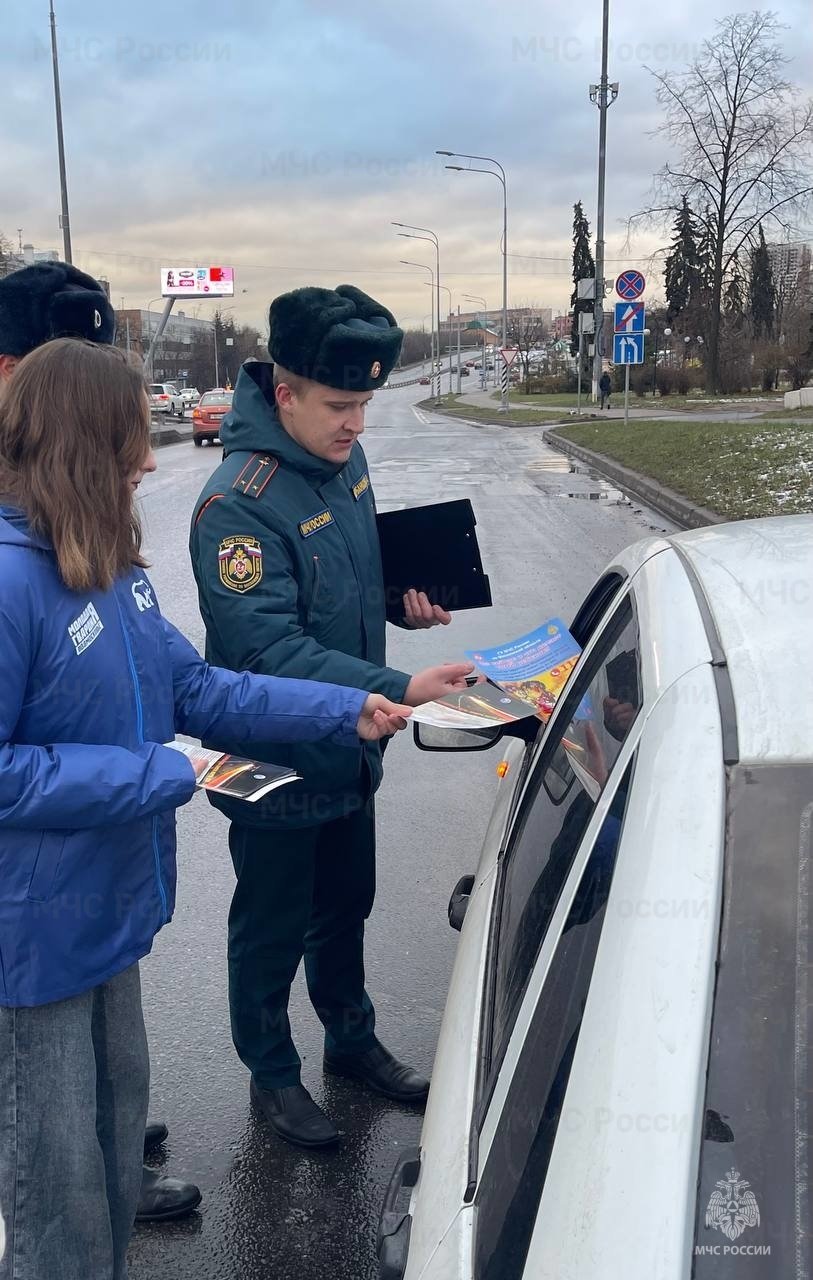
point(339, 337)
point(52, 300)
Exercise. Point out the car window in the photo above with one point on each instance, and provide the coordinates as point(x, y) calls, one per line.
point(215, 397)
point(156, 389)
point(511, 1184)
point(559, 801)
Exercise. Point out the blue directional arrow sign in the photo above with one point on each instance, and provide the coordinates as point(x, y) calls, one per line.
point(628, 348)
point(629, 317)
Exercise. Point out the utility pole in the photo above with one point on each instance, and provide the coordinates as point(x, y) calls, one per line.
point(603, 95)
point(64, 220)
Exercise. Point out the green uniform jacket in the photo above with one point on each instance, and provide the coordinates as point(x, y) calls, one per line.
point(285, 552)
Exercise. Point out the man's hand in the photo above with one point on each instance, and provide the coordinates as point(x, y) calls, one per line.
point(380, 717)
point(419, 613)
point(618, 716)
point(434, 682)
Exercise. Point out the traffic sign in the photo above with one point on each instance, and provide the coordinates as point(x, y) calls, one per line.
point(629, 317)
point(628, 348)
point(509, 354)
point(630, 285)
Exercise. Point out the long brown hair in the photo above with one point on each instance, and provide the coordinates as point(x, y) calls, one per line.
point(74, 427)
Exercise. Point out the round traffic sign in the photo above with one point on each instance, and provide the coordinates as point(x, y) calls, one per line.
point(630, 285)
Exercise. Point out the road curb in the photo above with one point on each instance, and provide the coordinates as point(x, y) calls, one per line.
point(683, 512)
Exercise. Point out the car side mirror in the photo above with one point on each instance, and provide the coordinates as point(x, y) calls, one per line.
point(429, 738)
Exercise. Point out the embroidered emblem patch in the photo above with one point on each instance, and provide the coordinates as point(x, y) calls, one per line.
point(361, 486)
point(240, 563)
point(375, 368)
point(314, 523)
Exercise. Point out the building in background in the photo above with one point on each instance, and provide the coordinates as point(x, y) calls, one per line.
point(183, 335)
point(790, 267)
point(27, 256)
point(562, 326)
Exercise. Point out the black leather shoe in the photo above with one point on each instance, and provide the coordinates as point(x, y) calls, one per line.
point(293, 1114)
point(162, 1198)
point(378, 1069)
point(154, 1134)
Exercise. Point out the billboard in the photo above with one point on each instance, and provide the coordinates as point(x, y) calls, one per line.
point(197, 282)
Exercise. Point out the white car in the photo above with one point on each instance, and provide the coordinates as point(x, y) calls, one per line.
point(165, 398)
point(624, 1077)
point(190, 396)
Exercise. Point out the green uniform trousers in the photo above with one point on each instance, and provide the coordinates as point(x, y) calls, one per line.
point(303, 892)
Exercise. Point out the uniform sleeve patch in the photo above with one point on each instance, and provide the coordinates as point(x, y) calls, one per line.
point(361, 486)
point(314, 523)
point(240, 563)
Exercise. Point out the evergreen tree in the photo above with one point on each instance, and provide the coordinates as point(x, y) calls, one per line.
point(761, 291)
point(734, 296)
point(685, 263)
point(583, 268)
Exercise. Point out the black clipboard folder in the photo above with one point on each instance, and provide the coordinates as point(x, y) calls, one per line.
point(433, 549)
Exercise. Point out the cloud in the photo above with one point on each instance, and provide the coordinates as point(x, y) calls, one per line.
point(284, 136)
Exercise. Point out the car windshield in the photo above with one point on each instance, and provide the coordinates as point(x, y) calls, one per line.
point(216, 397)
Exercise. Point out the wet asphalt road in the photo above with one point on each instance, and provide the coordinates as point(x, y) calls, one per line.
point(271, 1212)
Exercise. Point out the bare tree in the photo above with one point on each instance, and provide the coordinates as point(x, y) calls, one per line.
point(526, 332)
point(7, 264)
point(742, 138)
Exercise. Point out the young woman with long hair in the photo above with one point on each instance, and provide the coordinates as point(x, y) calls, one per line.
point(93, 681)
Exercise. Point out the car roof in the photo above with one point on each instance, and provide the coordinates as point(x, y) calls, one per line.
point(757, 579)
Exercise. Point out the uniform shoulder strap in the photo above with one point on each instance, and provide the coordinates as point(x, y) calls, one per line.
point(254, 476)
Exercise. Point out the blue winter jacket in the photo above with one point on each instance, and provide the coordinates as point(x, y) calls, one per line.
point(91, 685)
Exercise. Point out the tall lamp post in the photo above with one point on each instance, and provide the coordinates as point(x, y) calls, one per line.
point(405, 262)
point(409, 233)
point(64, 219)
point(472, 297)
point(446, 289)
point(463, 155)
point(150, 360)
point(602, 95)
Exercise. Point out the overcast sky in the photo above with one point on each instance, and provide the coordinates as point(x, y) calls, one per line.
point(283, 136)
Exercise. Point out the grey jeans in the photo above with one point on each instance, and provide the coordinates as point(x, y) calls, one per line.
point(74, 1086)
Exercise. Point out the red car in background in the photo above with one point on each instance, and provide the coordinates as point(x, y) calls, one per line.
point(208, 414)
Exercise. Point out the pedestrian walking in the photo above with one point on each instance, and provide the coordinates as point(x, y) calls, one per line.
point(37, 303)
point(93, 682)
point(605, 386)
point(285, 551)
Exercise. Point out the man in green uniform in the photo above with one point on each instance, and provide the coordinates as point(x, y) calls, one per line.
point(286, 556)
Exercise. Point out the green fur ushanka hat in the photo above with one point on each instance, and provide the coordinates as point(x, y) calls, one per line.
point(340, 337)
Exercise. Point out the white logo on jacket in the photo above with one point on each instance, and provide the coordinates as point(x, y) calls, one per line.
point(142, 594)
point(85, 629)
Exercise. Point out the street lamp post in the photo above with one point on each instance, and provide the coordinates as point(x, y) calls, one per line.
point(409, 234)
point(463, 155)
point(405, 262)
point(64, 220)
point(150, 357)
point(473, 297)
point(446, 289)
point(602, 95)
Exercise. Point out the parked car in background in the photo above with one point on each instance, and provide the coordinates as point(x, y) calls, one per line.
point(190, 396)
point(166, 398)
point(624, 1074)
point(465, 371)
point(424, 381)
point(208, 414)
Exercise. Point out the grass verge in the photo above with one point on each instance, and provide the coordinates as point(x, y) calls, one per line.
point(738, 469)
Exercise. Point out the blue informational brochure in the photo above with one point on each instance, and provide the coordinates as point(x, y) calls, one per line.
point(534, 667)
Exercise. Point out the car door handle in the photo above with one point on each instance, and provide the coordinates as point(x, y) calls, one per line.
point(394, 1224)
point(459, 901)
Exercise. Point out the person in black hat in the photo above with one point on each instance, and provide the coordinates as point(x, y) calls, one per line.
point(38, 303)
point(285, 551)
